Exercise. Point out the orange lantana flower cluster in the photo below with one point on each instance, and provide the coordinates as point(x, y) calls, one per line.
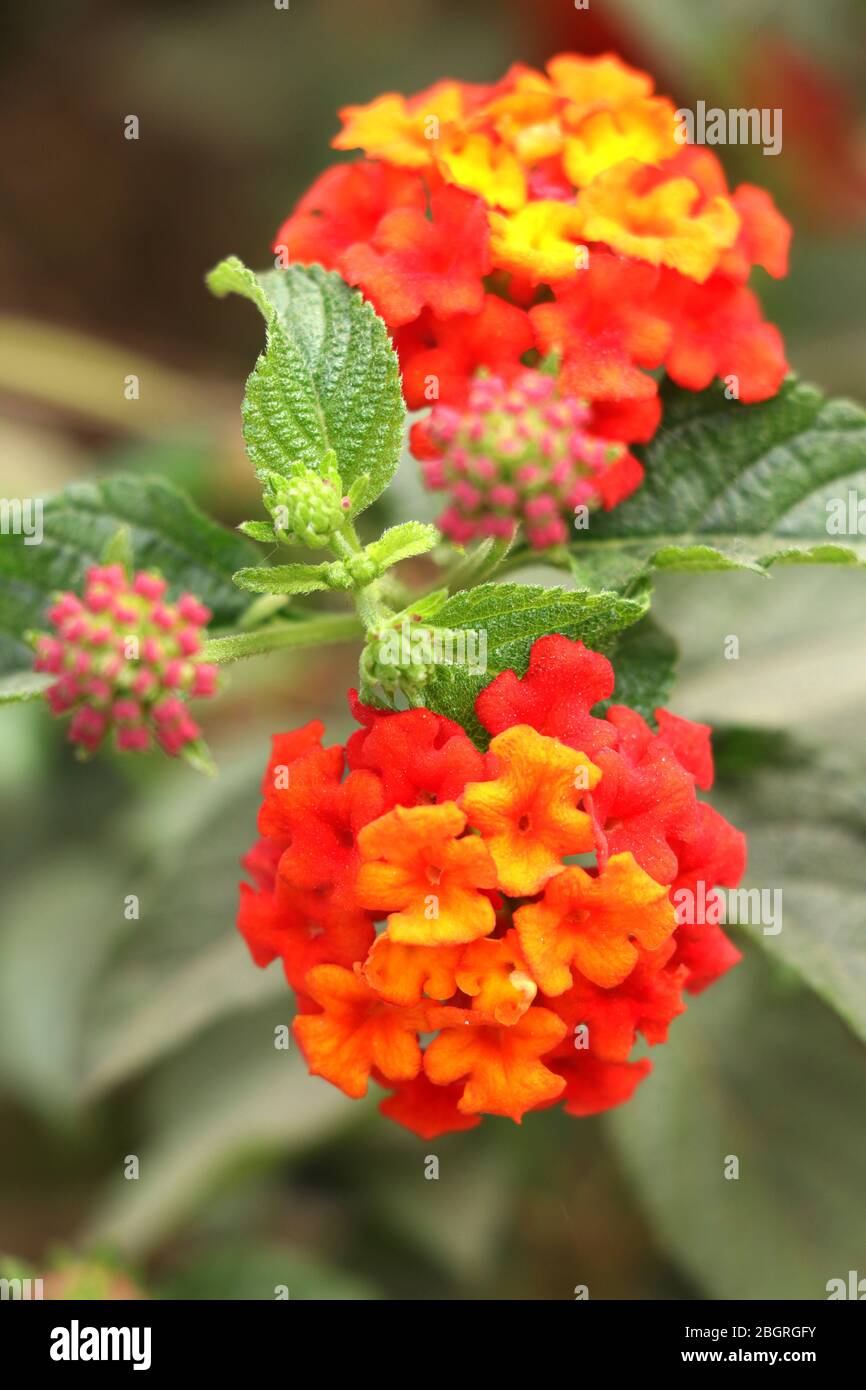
point(549, 213)
point(488, 932)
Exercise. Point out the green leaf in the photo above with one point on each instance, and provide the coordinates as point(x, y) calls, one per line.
point(805, 817)
point(166, 530)
point(233, 1103)
point(328, 378)
point(508, 618)
point(283, 579)
point(729, 486)
point(199, 757)
point(23, 685)
point(769, 1076)
point(118, 551)
point(212, 983)
point(61, 923)
point(231, 276)
point(401, 542)
point(259, 531)
point(644, 659)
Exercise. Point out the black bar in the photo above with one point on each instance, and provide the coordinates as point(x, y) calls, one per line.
point(252, 1337)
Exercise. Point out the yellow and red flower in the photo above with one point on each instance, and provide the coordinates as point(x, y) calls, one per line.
point(553, 211)
point(423, 897)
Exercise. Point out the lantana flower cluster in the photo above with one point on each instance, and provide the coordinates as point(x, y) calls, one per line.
point(519, 453)
point(549, 214)
point(489, 932)
point(126, 661)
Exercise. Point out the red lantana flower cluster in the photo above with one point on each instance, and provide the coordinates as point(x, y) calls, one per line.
point(126, 661)
point(548, 213)
point(427, 905)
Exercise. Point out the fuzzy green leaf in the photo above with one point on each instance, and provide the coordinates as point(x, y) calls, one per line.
point(509, 618)
point(644, 659)
point(328, 378)
point(283, 579)
point(401, 542)
point(804, 813)
point(729, 486)
point(259, 531)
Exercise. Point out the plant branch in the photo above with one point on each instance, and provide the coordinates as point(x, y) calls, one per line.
point(306, 632)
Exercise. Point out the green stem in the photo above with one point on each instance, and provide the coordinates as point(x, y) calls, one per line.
point(306, 632)
point(368, 601)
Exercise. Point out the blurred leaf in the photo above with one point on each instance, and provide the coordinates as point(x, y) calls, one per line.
point(218, 980)
point(511, 617)
point(168, 533)
point(60, 924)
point(806, 819)
point(774, 1079)
point(256, 1269)
point(458, 1219)
point(732, 486)
point(328, 378)
point(23, 685)
point(235, 1102)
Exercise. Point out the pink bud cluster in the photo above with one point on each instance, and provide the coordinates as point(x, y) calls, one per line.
point(519, 451)
point(126, 660)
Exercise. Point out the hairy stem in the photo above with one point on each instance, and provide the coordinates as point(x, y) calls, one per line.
point(306, 632)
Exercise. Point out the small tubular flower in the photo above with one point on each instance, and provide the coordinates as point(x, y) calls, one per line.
point(422, 896)
point(595, 923)
point(528, 813)
point(413, 261)
point(502, 1066)
point(127, 661)
point(356, 1031)
point(421, 870)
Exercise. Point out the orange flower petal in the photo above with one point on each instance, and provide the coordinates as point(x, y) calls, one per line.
point(356, 1032)
point(596, 84)
point(528, 815)
point(426, 1109)
point(592, 922)
point(504, 1074)
point(399, 131)
point(496, 977)
point(642, 130)
point(404, 974)
point(427, 880)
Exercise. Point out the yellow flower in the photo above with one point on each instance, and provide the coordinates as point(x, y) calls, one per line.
point(475, 163)
point(541, 240)
point(659, 225)
point(642, 130)
point(400, 131)
point(596, 84)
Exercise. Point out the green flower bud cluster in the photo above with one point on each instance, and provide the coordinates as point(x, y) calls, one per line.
point(388, 662)
point(308, 507)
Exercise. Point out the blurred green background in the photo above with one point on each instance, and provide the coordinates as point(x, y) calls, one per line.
point(154, 1037)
